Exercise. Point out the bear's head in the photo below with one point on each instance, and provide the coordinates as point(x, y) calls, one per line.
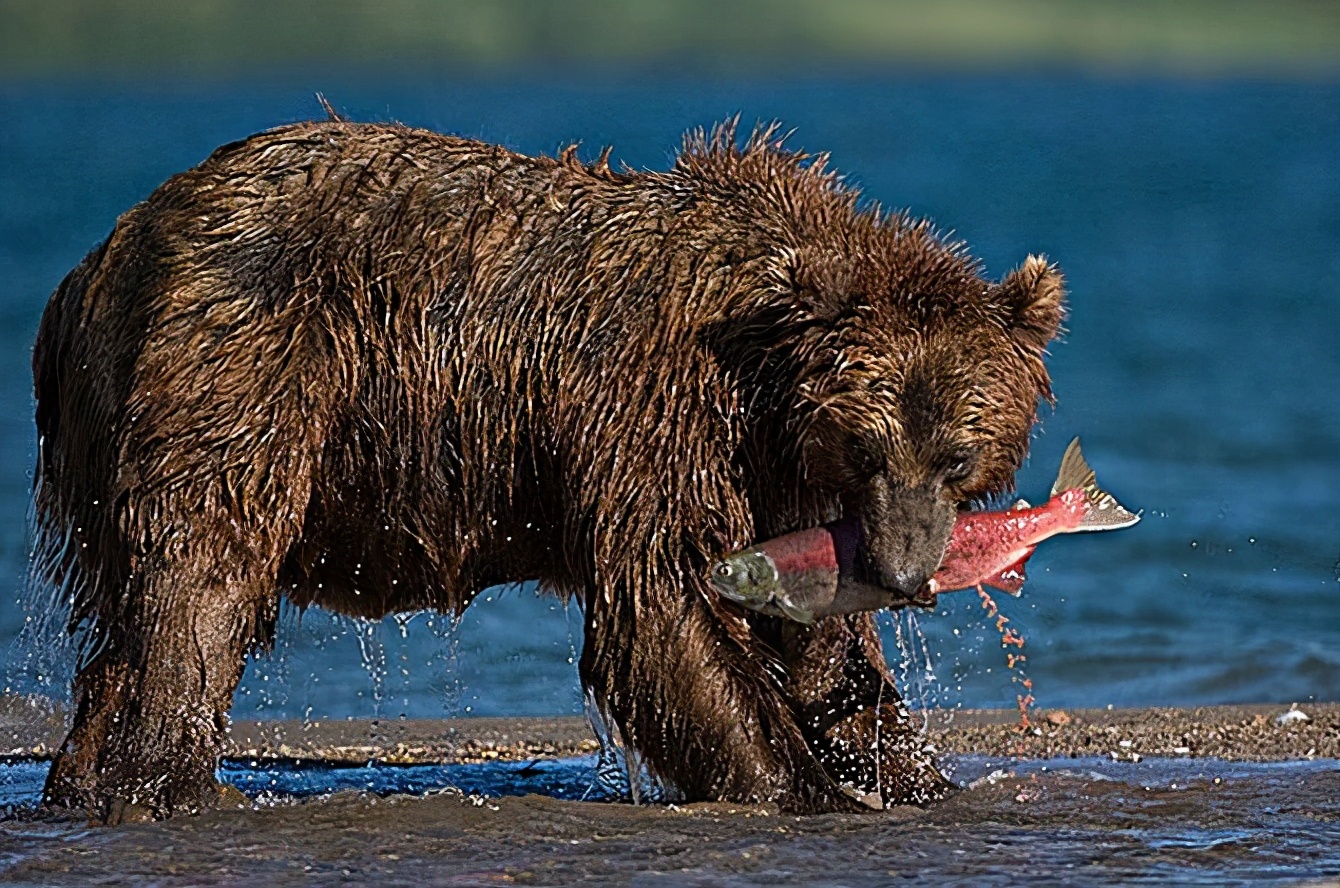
point(878, 370)
point(919, 387)
point(903, 384)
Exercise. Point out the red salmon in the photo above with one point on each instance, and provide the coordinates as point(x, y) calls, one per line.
point(990, 548)
point(799, 576)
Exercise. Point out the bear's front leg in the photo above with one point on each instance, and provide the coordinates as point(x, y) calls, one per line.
point(852, 714)
point(704, 712)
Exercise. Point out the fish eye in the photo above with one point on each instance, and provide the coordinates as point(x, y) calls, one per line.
point(723, 570)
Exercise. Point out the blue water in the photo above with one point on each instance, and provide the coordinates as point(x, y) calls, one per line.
point(1199, 227)
point(1073, 821)
point(269, 781)
point(578, 778)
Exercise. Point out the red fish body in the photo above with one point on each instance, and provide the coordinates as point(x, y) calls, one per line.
point(990, 548)
point(800, 575)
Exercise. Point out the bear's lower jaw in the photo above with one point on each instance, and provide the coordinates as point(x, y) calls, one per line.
point(854, 567)
point(853, 575)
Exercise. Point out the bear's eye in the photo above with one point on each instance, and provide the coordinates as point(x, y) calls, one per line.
point(865, 456)
point(960, 467)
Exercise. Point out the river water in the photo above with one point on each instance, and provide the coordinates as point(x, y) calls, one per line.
point(1072, 821)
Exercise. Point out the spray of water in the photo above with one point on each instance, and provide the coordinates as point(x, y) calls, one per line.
point(266, 686)
point(620, 771)
point(915, 670)
point(41, 663)
point(445, 661)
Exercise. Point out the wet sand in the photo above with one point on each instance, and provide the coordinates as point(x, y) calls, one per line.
point(1236, 733)
point(1154, 795)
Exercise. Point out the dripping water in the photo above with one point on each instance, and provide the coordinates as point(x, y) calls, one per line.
point(402, 622)
point(40, 663)
point(270, 680)
point(444, 662)
point(620, 772)
point(917, 678)
point(373, 652)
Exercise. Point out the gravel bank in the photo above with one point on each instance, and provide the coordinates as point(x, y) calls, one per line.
point(33, 729)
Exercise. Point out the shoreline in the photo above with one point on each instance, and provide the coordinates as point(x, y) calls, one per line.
point(212, 37)
point(33, 728)
point(1105, 821)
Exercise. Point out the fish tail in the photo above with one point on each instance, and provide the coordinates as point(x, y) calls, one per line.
point(1103, 512)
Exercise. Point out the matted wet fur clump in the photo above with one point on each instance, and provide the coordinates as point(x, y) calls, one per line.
point(379, 369)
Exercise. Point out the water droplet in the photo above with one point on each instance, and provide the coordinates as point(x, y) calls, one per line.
point(402, 622)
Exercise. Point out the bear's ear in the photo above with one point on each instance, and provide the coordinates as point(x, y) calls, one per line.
point(1033, 299)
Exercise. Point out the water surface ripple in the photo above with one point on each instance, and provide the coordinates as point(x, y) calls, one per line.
point(1084, 821)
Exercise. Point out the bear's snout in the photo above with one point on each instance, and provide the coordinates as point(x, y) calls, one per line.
point(903, 534)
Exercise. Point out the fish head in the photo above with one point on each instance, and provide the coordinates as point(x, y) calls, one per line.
point(749, 577)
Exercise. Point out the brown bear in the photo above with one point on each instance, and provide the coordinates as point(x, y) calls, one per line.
point(378, 369)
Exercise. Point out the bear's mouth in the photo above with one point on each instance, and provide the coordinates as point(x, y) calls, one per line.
point(854, 569)
point(847, 539)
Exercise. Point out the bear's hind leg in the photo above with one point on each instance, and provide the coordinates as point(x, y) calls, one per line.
point(178, 590)
point(152, 703)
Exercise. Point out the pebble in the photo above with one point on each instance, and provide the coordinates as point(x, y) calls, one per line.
point(1292, 716)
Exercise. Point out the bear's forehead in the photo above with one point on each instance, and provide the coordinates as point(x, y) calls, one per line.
point(916, 273)
point(946, 352)
point(929, 380)
point(894, 271)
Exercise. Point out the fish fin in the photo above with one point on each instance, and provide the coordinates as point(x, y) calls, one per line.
point(1011, 579)
point(1021, 504)
point(800, 615)
point(1102, 511)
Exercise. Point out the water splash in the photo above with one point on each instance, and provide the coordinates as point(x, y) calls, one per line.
point(916, 673)
point(445, 661)
point(42, 658)
point(402, 621)
point(265, 685)
point(620, 772)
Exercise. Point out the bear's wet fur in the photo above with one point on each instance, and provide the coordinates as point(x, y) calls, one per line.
point(379, 369)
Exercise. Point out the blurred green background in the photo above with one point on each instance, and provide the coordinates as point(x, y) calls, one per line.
point(226, 38)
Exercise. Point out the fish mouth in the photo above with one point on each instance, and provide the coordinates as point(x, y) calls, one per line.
point(853, 569)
